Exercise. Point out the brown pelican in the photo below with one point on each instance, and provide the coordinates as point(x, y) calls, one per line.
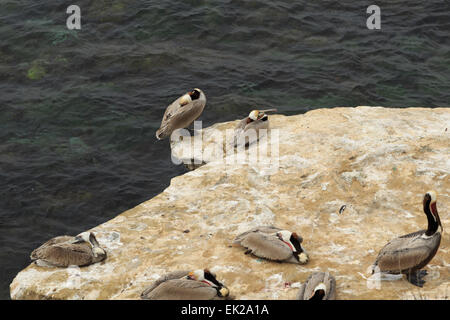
point(248, 129)
point(64, 251)
point(181, 113)
point(318, 286)
point(273, 244)
point(410, 253)
point(185, 285)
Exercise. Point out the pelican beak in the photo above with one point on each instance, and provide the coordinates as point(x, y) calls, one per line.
point(191, 276)
point(157, 135)
point(78, 239)
point(269, 110)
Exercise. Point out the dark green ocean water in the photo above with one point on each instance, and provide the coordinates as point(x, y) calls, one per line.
point(79, 109)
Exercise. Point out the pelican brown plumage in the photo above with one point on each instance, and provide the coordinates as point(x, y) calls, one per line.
point(248, 130)
point(64, 251)
point(181, 113)
point(273, 244)
point(411, 252)
point(318, 286)
point(185, 285)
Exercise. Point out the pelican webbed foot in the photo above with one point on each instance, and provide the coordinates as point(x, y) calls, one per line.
point(416, 277)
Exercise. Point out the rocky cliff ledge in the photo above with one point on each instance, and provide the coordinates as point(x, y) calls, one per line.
point(378, 162)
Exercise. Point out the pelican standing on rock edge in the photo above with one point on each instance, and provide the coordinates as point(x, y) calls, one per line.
point(273, 244)
point(411, 252)
point(64, 251)
point(181, 113)
point(185, 285)
point(256, 120)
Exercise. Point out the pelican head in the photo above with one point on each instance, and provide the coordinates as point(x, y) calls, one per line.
point(294, 242)
point(190, 96)
point(433, 195)
point(195, 94)
point(254, 115)
point(319, 291)
point(90, 238)
point(209, 278)
point(259, 114)
point(222, 291)
point(83, 237)
point(285, 236)
point(198, 275)
point(185, 99)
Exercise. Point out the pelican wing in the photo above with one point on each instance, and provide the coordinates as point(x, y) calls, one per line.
point(413, 234)
point(267, 246)
point(301, 292)
point(181, 289)
point(249, 132)
point(257, 125)
point(171, 110)
point(239, 129)
point(164, 278)
point(241, 124)
point(406, 252)
point(307, 288)
point(261, 229)
point(64, 254)
point(179, 116)
point(330, 283)
point(56, 240)
point(42, 249)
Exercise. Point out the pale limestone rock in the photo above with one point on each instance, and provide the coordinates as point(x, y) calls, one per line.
point(377, 161)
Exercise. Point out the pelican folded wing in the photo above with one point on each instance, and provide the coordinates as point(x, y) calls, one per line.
point(267, 246)
point(407, 253)
point(182, 289)
point(64, 254)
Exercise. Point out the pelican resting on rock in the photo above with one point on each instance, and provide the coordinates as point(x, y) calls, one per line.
point(185, 285)
point(273, 244)
point(181, 113)
point(410, 253)
point(318, 286)
point(248, 129)
point(64, 251)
